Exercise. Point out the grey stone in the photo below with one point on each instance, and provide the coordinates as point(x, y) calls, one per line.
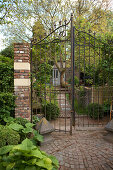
point(109, 126)
point(44, 127)
point(109, 137)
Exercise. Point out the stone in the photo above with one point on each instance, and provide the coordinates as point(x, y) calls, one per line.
point(45, 129)
point(109, 126)
point(109, 135)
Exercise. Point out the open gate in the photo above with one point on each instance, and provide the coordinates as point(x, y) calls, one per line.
point(68, 85)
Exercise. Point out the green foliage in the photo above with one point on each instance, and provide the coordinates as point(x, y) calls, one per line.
point(106, 106)
point(21, 121)
point(24, 128)
point(7, 99)
point(76, 81)
point(26, 156)
point(8, 136)
point(95, 110)
point(79, 108)
point(52, 111)
point(35, 119)
point(8, 51)
point(42, 75)
point(7, 105)
point(6, 77)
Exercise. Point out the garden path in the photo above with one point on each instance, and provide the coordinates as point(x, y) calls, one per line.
point(64, 105)
point(84, 150)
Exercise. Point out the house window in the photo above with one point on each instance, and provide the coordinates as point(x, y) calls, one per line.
point(55, 72)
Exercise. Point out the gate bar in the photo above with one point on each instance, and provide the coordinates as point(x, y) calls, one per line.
point(73, 67)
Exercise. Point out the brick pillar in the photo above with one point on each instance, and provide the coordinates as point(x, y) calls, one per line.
point(22, 80)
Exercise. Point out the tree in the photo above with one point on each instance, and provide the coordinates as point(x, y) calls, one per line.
point(8, 51)
point(46, 14)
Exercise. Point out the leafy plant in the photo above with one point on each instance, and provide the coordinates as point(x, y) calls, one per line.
point(8, 136)
point(24, 128)
point(6, 77)
point(95, 110)
point(26, 156)
point(76, 81)
point(21, 121)
point(7, 105)
point(106, 106)
point(35, 119)
point(52, 111)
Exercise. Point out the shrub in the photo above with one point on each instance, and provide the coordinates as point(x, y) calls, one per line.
point(76, 81)
point(6, 77)
point(21, 121)
point(35, 119)
point(26, 156)
point(7, 105)
point(24, 128)
point(52, 111)
point(95, 110)
point(8, 136)
point(106, 106)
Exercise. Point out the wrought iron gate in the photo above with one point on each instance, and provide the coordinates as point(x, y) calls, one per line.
point(93, 87)
point(51, 74)
point(68, 85)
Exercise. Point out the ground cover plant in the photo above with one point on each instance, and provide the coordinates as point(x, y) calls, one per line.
point(26, 156)
point(24, 129)
point(8, 136)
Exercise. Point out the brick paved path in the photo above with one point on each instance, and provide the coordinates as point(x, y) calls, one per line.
point(64, 105)
point(85, 150)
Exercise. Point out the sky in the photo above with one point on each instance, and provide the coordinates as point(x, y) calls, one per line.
point(2, 37)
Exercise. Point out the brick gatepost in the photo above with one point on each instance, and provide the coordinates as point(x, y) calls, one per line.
point(22, 80)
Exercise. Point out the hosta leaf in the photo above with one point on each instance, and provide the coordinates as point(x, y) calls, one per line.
point(10, 166)
point(5, 149)
point(16, 126)
point(27, 130)
point(54, 160)
point(36, 153)
point(1, 167)
point(26, 145)
point(37, 136)
point(29, 125)
point(8, 119)
point(31, 161)
point(30, 168)
point(42, 164)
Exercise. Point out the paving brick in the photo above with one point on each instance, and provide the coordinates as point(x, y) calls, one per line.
point(82, 151)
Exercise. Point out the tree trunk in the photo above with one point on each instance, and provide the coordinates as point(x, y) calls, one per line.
point(62, 82)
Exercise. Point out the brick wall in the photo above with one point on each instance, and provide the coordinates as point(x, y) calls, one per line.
point(22, 79)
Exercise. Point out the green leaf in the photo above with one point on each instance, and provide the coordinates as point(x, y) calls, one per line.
point(43, 164)
point(54, 160)
point(16, 126)
point(30, 168)
point(26, 145)
point(29, 125)
point(8, 119)
point(1, 167)
point(31, 161)
point(27, 130)
point(37, 136)
point(36, 153)
point(5, 149)
point(10, 166)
